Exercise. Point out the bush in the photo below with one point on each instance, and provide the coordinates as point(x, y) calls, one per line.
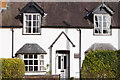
point(101, 64)
point(12, 68)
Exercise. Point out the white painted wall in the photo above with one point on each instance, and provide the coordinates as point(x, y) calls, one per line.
point(73, 34)
point(46, 39)
point(5, 43)
point(88, 39)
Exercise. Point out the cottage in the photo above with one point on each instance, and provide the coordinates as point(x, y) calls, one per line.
point(57, 34)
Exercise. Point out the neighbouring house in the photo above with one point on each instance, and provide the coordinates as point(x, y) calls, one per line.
point(3, 5)
point(55, 33)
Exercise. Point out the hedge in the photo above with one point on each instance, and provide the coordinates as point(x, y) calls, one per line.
point(12, 68)
point(101, 64)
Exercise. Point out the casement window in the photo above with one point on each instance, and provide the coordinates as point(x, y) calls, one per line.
point(102, 23)
point(31, 23)
point(34, 62)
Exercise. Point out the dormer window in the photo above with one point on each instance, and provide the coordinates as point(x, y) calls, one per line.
point(102, 23)
point(32, 23)
point(31, 17)
point(100, 17)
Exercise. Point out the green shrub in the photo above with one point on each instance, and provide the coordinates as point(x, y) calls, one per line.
point(101, 64)
point(12, 68)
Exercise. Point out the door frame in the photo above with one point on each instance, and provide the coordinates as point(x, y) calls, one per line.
point(64, 52)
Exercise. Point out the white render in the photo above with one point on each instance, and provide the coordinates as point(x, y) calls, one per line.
point(48, 36)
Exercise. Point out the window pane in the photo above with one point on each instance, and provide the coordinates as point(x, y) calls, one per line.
point(30, 56)
point(100, 24)
point(29, 17)
point(100, 30)
point(97, 30)
point(35, 62)
point(34, 17)
point(34, 23)
point(30, 68)
point(65, 62)
point(30, 62)
point(41, 68)
point(26, 62)
point(35, 30)
point(38, 17)
point(27, 23)
point(106, 18)
point(25, 56)
point(28, 26)
point(35, 56)
point(96, 24)
point(35, 68)
point(106, 24)
point(26, 68)
point(41, 62)
point(28, 29)
point(98, 18)
point(59, 62)
point(38, 23)
point(106, 30)
point(41, 56)
point(39, 30)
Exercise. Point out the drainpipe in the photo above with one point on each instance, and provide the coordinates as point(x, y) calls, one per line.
point(80, 52)
point(50, 59)
point(12, 42)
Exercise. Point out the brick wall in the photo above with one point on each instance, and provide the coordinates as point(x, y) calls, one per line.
point(42, 77)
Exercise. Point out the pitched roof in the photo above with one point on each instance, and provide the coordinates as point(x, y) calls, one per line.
point(101, 46)
point(59, 37)
point(29, 8)
point(102, 8)
point(30, 49)
point(60, 14)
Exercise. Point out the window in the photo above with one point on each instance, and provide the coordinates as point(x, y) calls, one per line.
point(34, 62)
point(65, 62)
point(102, 24)
point(32, 23)
point(59, 62)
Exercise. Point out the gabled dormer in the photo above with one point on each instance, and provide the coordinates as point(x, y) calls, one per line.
point(101, 19)
point(32, 17)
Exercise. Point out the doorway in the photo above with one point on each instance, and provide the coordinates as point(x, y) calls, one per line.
point(63, 63)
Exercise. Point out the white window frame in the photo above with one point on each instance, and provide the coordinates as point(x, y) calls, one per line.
point(38, 59)
point(32, 26)
point(102, 27)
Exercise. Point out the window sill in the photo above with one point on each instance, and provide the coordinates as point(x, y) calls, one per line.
point(31, 33)
point(33, 71)
point(102, 34)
